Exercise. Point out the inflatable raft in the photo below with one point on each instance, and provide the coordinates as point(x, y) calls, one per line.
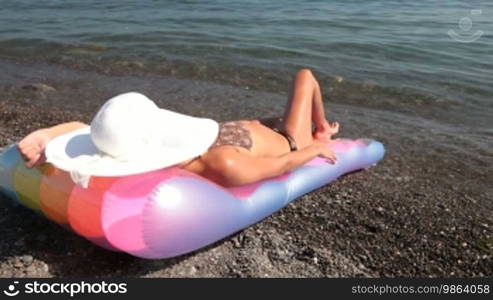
point(171, 211)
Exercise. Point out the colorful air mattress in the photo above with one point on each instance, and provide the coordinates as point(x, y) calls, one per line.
point(171, 211)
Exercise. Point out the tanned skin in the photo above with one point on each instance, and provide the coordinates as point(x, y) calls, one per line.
point(270, 155)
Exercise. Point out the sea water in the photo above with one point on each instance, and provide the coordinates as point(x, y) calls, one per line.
point(435, 47)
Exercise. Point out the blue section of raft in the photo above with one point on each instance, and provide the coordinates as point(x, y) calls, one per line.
point(170, 212)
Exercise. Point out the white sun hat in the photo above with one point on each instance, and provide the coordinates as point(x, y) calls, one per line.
point(129, 135)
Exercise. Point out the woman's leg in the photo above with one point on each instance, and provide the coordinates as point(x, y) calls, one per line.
point(305, 107)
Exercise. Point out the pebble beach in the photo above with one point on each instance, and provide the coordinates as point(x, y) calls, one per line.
point(424, 211)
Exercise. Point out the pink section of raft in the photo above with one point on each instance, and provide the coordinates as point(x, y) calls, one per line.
point(168, 212)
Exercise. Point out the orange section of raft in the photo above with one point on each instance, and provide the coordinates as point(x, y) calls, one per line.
point(51, 191)
point(54, 194)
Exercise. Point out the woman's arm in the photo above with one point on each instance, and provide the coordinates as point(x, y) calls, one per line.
point(33, 145)
point(230, 167)
point(65, 128)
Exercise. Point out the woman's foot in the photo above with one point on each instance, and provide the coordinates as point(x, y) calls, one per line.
point(325, 132)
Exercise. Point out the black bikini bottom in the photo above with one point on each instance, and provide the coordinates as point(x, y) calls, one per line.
point(289, 138)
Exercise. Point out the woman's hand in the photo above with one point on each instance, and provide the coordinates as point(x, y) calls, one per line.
point(325, 131)
point(325, 152)
point(32, 147)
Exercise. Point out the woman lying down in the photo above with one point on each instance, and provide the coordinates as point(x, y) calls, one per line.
point(130, 135)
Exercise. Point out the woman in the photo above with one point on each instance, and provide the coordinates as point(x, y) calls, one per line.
point(244, 151)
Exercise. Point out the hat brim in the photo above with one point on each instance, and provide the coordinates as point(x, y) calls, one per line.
point(75, 150)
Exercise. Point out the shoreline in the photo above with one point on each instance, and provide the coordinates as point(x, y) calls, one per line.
point(367, 93)
point(424, 211)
